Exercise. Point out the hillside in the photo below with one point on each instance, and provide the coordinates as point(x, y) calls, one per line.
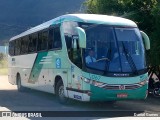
point(17, 16)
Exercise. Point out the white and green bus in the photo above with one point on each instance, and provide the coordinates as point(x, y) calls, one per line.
point(86, 57)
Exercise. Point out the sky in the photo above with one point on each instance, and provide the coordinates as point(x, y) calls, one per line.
point(17, 16)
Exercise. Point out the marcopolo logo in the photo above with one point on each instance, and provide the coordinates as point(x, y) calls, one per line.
point(122, 87)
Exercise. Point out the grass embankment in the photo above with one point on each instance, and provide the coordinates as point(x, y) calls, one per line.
point(3, 67)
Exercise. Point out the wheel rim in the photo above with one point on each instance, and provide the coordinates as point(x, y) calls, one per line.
point(61, 92)
point(157, 92)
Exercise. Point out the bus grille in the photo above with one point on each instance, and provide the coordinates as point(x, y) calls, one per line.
point(121, 87)
point(129, 87)
point(111, 87)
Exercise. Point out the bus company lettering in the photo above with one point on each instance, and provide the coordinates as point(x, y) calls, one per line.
point(146, 114)
point(77, 97)
point(34, 115)
point(26, 114)
point(123, 75)
point(58, 63)
point(72, 68)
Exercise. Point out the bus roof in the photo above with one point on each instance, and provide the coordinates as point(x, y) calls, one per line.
point(88, 18)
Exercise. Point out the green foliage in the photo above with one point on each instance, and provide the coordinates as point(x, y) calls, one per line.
point(146, 13)
point(1, 56)
point(3, 64)
point(155, 39)
point(3, 60)
point(104, 7)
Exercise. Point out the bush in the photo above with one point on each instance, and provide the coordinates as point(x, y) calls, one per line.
point(3, 64)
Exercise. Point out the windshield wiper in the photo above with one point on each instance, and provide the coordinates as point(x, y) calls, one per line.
point(130, 60)
point(108, 55)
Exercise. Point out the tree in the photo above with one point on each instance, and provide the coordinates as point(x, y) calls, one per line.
point(1, 56)
point(146, 13)
point(155, 39)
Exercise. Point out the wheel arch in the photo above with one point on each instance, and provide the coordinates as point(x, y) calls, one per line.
point(57, 78)
point(18, 74)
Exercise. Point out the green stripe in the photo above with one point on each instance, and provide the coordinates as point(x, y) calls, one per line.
point(36, 69)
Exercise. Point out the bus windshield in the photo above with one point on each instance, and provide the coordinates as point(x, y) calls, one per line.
point(114, 49)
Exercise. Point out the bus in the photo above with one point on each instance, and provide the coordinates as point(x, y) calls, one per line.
point(86, 57)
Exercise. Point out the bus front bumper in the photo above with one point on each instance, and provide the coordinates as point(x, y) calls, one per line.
point(100, 94)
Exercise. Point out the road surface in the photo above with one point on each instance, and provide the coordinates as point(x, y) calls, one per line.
point(31, 100)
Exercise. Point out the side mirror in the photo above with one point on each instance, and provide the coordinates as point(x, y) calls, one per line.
point(74, 42)
point(82, 37)
point(146, 40)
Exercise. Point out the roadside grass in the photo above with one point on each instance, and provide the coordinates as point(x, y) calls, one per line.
point(3, 71)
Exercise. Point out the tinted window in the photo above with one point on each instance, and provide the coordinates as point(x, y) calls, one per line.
point(42, 40)
point(17, 46)
point(57, 38)
point(50, 39)
point(71, 37)
point(32, 43)
point(54, 39)
point(11, 48)
point(24, 45)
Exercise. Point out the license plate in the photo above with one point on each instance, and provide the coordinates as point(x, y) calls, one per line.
point(122, 95)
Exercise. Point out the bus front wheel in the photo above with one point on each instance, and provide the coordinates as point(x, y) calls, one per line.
point(60, 92)
point(19, 86)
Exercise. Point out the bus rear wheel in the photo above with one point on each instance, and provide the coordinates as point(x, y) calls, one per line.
point(19, 86)
point(60, 92)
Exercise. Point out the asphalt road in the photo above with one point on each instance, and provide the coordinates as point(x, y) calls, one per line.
point(31, 100)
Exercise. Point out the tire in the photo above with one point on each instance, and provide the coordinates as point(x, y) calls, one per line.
point(19, 86)
point(156, 92)
point(60, 92)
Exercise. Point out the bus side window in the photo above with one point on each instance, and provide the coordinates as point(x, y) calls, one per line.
point(54, 39)
point(50, 39)
point(42, 40)
point(32, 43)
point(76, 55)
point(24, 45)
point(71, 34)
point(69, 45)
point(17, 46)
point(11, 48)
point(57, 44)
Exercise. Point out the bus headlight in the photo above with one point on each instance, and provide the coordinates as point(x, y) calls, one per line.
point(93, 82)
point(96, 83)
point(86, 80)
point(143, 82)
